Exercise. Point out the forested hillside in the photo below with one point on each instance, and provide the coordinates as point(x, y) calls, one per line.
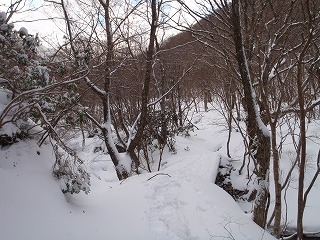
point(132, 79)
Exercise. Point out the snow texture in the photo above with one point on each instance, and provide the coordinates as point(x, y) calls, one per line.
point(23, 31)
point(3, 16)
point(180, 202)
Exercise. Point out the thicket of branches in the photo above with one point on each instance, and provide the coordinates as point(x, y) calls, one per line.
point(117, 73)
point(265, 58)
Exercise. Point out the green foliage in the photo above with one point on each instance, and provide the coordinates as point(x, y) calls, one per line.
point(25, 70)
point(32, 98)
point(163, 126)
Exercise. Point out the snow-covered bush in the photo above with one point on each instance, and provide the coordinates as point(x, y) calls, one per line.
point(25, 77)
point(21, 69)
point(69, 170)
point(30, 97)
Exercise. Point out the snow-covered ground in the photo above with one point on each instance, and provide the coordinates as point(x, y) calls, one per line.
point(179, 202)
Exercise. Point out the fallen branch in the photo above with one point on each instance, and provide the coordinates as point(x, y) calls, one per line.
point(158, 175)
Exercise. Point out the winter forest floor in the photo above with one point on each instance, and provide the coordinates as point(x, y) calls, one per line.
point(179, 202)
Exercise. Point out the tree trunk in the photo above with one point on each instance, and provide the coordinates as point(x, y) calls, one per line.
point(146, 86)
point(276, 176)
point(229, 130)
point(259, 134)
point(302, 118)
point(303, 156)
point(122, 171)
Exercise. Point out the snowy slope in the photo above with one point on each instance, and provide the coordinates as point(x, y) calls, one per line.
point(180, 202)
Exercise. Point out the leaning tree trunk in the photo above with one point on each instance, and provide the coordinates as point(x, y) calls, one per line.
point(258, 131)
point(122, 171)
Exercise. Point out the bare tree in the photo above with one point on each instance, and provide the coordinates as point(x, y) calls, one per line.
point(118, 55)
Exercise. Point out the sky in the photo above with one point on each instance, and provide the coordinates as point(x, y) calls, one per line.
point(37, 16)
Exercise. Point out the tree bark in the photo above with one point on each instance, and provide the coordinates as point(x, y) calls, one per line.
point(146, 86)
point(260, 138)
point(302, 118)
point(276, 175)
point(121, 171)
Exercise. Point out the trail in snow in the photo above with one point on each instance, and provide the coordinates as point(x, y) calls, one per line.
point(167, 211)
point(181, 203)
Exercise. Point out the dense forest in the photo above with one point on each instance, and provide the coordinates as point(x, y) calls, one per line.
point(118, 75)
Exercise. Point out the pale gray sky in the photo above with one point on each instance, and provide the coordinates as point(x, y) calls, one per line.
point(35, 18)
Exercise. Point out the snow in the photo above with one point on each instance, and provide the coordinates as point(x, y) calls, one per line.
point(23, 31)
point(3, 16)
point(4, 27)
point(8, 128)
point(124, 160)
point(164, 207)
point(262, 127)
point(96, 89)
point(311, 217)
point(2, 38)
point(42, 72)
point(179, 202)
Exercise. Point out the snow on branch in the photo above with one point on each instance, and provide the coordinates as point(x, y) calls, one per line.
point(313, 105)
point(68, 166)
point(2, 80)
point(37, 91)
point(94, 88)
point(292, 109)
point(93, 120)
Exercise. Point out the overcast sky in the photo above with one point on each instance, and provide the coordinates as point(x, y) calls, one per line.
point(37, 20)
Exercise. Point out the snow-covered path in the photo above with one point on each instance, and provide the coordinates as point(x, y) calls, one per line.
point(181, 202)
point(185, 204)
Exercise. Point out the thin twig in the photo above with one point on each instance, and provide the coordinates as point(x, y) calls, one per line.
point(158, 175)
